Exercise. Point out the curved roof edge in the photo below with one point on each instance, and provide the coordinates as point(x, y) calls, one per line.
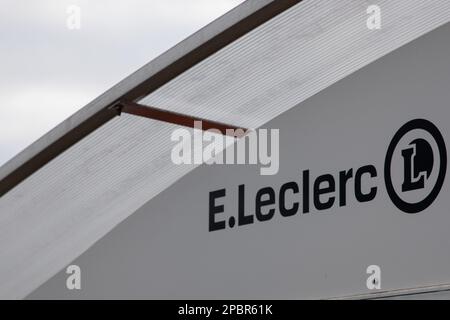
point(197, 47)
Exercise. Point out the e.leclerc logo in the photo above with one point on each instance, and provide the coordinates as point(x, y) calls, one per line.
point(415, 166)
point(414, 173)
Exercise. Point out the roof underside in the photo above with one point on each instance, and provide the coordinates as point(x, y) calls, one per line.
point(61, 209)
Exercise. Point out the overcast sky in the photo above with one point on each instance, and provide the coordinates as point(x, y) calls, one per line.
point(48, 71)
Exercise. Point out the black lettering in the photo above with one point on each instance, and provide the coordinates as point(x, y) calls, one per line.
point(213, 210)
point(242, 218)
point(344, 176)
point(259, 203)
point(408, 184)
point(360, 196)
point(306, 191)
point(285, 212)
point(318, 191)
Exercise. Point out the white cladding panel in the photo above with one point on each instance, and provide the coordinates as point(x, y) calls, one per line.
point(294, 56)
point(165, 250)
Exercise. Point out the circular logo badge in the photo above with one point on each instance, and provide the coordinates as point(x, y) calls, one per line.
point(415, 166)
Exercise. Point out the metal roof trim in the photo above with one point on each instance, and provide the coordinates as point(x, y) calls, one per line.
point(205, 42)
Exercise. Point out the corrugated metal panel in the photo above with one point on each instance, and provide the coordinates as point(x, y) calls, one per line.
point(69, 204)
point(223, 31)
point(294, 56)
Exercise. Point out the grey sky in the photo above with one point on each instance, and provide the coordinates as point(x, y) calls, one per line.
point(47, 72)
